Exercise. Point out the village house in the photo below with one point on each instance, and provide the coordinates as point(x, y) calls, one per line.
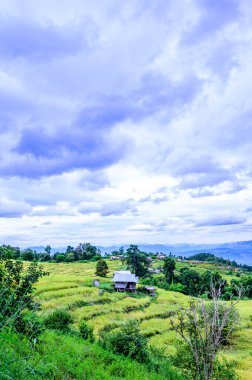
point(151, 290)
point(154, 271)
point(116, 258)
point(125, 281)
point(161, 257)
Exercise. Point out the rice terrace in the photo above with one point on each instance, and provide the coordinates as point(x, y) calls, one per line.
point(94, 310)
point(70, 286)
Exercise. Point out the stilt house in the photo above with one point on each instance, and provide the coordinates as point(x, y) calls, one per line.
point(125, 281)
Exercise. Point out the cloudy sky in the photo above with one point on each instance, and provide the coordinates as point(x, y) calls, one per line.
point(125, 121)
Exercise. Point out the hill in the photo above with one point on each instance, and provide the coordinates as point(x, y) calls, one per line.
point(241, 251)
point(69, 286)
point(238, 251)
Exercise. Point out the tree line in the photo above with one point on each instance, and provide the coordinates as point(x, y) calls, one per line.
point(184, 280)
point(193, 283)
point(210, 257)
point(84, 251)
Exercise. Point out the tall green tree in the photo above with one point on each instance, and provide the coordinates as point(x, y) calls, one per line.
point(8, 252)
point(48, 249)
point(86, 251)
point(28, 254)
point(136, 261)
point(16, 289)
point(169, 267)
point(101, 268)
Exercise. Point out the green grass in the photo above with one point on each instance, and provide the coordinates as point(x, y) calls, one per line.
point(69, 286)
point(62, 357)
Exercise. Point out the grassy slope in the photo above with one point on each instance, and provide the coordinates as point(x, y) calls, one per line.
point(68, 286)
point(62, 357)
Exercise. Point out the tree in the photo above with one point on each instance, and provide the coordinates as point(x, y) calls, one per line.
point(8, 252)
point(121, 251)
point(191, 281)
point(28, 254)
point(204, 329)
point(59, 257)
point(169, 267)
point(101, 268)
point(69, 254)
point(16, 289)
point(86, 251)
point(136, 261)
point(48, 249)
point(208, 279)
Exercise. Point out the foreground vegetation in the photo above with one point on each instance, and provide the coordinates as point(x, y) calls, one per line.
point(58, 354)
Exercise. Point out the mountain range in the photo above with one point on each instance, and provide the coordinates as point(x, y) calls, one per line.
point(240, 251)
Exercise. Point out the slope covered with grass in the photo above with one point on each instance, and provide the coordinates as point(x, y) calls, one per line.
point(69, 286)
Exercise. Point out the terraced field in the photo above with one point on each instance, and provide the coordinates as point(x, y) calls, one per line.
point(69, 286)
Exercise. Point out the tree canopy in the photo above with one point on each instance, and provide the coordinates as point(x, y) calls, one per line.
point(136, 261)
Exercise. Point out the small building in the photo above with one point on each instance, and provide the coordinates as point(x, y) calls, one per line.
point(96, 283)
point(154, 271)
point(161, 257)
point(151, 290)
point(125, 281)
point(115, 258)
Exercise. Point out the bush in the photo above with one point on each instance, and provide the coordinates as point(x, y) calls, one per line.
point(67, 357)
point(231, 324)
point(183, 359)
point(16, 297)
point(101, 268)
point(59, 320)
point(128, 341)
point(178, 287)
point(30, 325)
point(86, 331)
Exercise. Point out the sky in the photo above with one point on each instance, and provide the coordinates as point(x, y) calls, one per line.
point(125, 121)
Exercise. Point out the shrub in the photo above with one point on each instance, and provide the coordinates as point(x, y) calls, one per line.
point(101, 268)
point(231, 323)
point(183, 359)
point(30, 325)
point(178, 287)
point(58, 320)
point(16, 296)
point(86, 331)
point(128, 341)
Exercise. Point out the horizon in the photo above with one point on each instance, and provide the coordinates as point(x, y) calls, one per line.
point(125, 121)
point(121, 244)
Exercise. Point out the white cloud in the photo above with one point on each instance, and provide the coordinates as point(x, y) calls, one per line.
point(136, 115)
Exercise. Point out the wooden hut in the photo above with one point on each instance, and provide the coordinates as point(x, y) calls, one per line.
point(151, 290)
point(125, 281)
point(96, 283)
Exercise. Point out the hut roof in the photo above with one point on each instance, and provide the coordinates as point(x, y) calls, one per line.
point(125, 276)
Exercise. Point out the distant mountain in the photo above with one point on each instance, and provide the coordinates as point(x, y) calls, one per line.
point(41, 249)
point(240, 251)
